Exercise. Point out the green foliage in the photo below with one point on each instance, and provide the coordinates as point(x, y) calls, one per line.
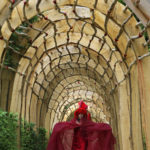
point(67, 106)
point(28, 136)
point(19, 42)
point(8, 59)
point(141, 25)
point(149, 47)
point(41, 138)
point(50, 133)
point(144, 142)
point(31, 139)
point(122, 2)
point(8, 134)
point(34, 19)
point(145, 35)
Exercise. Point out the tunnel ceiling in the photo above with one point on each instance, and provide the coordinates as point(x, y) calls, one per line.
point(62, 51)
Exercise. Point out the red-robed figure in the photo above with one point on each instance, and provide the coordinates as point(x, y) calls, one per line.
point(81, 133)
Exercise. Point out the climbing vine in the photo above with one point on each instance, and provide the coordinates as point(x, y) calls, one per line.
point(19, 43)
point(145, 34)
point(121, 1)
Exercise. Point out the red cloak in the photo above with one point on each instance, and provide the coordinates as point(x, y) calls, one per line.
point(86, 136)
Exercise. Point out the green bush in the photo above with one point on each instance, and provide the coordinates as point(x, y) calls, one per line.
point(31, 138)
point(28, 137)
point(42, 140)
point(8, 134)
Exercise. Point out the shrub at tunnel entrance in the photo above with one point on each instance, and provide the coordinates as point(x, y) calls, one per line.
point(30, 139)
point(8, 133)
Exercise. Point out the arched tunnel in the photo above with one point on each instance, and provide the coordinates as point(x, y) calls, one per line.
point(55, 53)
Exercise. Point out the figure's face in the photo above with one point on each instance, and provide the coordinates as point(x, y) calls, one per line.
point(80, 116)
